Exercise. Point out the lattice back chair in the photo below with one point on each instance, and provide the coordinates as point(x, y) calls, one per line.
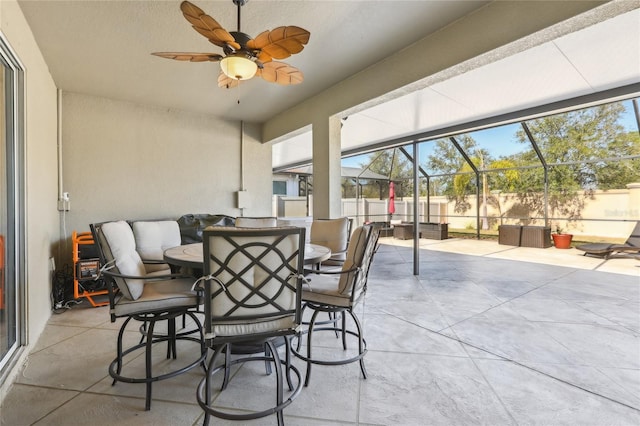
point(332, 233)
point(338, 293)
point(148, 299)
point(253, 290)
point(152, 238)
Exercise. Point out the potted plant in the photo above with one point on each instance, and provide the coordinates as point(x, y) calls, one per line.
point(560, 239)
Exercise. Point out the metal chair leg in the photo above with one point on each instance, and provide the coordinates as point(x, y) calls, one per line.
point(227, 366)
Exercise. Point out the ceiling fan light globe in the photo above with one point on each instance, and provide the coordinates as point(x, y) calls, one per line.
point(238, 67)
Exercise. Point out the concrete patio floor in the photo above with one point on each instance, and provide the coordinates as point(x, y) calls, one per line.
point(495, 336)
point(621, 264)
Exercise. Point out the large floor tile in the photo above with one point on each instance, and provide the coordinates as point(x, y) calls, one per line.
point(571, 288)
point(332, 394)
point(411, 389)
point(83, 315)
point(555, 310)
point(181, 388)
point(54, 334)
point(606, 346)
point(75, 363)
point(460, 300)
point(26, 404)
point(618, 384)
point(390, 334)
point(623, 313)
point(536, 399)
point(521, 341)
point(419, 310)
point(104, 410)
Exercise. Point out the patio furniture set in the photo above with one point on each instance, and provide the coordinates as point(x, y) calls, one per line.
point(251, 292)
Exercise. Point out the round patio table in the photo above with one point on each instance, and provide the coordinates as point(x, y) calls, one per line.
point(192, 255)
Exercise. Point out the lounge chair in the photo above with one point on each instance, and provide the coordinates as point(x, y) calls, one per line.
point(632, 245)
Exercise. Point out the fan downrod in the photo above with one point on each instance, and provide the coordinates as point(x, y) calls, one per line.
point(239, 3)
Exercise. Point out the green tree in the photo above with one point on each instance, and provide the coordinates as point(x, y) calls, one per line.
point(461, 179)
point(582, 140)
point(616, 174)
point(396, 166)
point(446, 160)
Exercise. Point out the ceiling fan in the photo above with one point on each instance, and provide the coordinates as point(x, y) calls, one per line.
point(244, 57)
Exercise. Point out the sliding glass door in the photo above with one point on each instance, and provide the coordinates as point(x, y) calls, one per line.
point(11, 205)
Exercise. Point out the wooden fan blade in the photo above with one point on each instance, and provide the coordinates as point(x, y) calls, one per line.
point(188, 56)
point(207, 26)
point(279, 43)
point(228, 82)
point(281, 73)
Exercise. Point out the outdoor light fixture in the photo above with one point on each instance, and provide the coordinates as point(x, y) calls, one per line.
point(243, 54)
point(238, 67)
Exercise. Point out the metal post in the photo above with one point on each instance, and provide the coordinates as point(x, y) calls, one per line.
point(416, 220)
point(475, 170)
point(358, 201)
point(534, 144)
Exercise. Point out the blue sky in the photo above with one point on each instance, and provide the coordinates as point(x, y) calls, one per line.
point(500, 141)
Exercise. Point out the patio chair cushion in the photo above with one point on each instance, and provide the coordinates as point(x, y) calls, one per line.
point(153, 238)
point(158, 296)
point(332, 233)
point(324, 290)
point(248, 327)
point(357, 246)
point(121, 246)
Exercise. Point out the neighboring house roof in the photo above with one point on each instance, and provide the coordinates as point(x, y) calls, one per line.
point(347, 172)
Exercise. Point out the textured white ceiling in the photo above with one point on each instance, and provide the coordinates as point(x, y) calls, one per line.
point(103, 47)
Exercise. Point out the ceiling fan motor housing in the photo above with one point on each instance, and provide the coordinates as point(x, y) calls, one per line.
point(241, 38)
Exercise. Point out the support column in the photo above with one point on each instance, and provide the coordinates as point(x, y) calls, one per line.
point(327, 195)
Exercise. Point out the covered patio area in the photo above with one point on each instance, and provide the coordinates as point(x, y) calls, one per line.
point(498, 335)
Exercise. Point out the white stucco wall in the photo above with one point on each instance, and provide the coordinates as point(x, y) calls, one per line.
point(41, 183)
point(606, 215)
point(127, 161)
point(120, 161)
